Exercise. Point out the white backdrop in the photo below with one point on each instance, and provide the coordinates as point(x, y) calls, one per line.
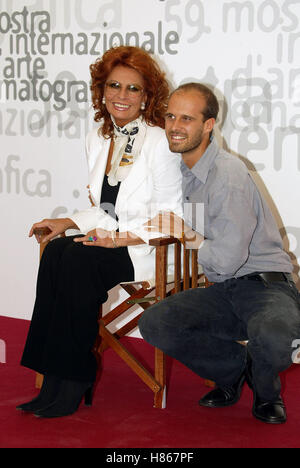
point(248, 50)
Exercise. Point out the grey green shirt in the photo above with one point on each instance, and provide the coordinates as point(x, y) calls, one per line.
point(241, 235)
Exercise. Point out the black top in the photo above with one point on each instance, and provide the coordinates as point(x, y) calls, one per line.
point(108, 197)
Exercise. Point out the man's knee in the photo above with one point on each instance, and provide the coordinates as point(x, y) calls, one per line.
point(147, 324)
point(153, 324)
point(272, 340)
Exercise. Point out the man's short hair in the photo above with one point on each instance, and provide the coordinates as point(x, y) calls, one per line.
point(212, 106)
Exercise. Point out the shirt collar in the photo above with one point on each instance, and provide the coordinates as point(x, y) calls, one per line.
point(205, 163)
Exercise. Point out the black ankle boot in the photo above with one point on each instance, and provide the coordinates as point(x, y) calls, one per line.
point(68, 399)
point(46, 397)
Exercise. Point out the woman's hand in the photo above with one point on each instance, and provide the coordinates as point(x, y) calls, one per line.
point(55, 227)
point(109, 239)
point(98, 238)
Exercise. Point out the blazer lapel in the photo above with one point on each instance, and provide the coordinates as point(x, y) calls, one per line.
point(98, 171)
point(135, 179)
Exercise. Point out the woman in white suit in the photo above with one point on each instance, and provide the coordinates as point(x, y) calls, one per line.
point(133, 176)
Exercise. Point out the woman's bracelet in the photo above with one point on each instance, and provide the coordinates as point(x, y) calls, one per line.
point(113, 238)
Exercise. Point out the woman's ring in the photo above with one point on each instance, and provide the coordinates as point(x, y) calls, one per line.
point(93, 239)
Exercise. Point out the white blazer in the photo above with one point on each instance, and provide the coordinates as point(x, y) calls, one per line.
point(153, 184)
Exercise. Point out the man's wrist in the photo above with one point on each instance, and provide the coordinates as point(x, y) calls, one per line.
point(188, 235)
point(192, 239)
point(114, 239)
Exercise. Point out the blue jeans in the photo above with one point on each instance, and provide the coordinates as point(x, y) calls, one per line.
point(201, 327)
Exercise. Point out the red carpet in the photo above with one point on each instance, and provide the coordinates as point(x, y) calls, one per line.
point(122, 415)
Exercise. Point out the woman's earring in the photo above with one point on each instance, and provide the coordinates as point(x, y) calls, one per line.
point(143, 106)
point(103, 100)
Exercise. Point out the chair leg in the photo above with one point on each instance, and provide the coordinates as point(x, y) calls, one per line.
point(39, 378)
point(99, 346)
point(209, 383)
point(130, 360)
point(160, 377)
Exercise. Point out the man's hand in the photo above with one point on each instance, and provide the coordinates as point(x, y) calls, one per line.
point(170, 224)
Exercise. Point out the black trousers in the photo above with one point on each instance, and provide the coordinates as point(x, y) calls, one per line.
point(73, 282)
point(201, 327)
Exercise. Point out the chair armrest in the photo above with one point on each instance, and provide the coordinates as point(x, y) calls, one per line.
point(41, 231)
point(161, 241)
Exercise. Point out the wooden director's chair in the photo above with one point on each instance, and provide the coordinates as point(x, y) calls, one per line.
point(185, 260)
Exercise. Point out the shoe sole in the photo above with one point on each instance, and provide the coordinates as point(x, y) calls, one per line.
point(268, 421)
point(214, 405)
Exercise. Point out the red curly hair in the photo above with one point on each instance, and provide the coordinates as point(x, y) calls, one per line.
point(156, 86)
